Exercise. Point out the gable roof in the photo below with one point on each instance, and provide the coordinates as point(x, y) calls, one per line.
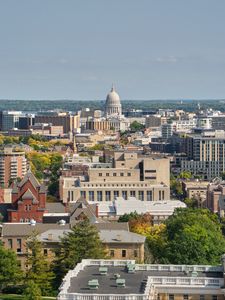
point(28, 195)
point(29, 177)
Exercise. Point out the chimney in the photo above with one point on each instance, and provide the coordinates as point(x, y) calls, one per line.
point(50, 236)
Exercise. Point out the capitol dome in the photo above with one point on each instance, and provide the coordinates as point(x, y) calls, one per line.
point(112, 104)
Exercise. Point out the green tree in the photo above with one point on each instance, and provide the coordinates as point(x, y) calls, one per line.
point(32, 291)
point(81, 242)
point(191, 202)
point(136, 126)
point(10, 272)
point(38, 266)
point(128, 217)
point(192, 236)
point(185, 175)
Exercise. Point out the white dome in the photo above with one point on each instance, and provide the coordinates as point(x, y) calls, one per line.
point(113, 105)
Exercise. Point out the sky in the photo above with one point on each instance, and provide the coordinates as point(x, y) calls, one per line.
point(76, 49)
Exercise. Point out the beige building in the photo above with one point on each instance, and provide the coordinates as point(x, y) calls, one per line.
point(13, 164)
point(196, 189)
point(70, 123)
point(146, 178)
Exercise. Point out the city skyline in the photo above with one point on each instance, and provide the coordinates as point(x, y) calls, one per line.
point(76, 49)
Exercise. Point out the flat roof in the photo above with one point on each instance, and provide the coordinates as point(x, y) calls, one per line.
point(135, 283)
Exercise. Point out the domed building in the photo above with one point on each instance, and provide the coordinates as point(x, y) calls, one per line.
point(113, 106)
point(112, 119)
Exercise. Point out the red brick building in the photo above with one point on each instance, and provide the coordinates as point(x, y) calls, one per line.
point(28, 200)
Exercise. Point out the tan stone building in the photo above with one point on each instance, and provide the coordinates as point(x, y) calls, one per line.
point(145, 177)
point(196, 189)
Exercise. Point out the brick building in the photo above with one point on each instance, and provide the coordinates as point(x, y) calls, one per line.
point(28, 200)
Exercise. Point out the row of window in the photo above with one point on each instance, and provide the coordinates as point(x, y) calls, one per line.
point(109, 195)
point(123, 253)
point(18, 245)
point(115, 174)
point(116, 184)
point(186, 297)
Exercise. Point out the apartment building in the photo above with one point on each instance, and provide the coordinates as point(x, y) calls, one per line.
point(205, 153)
point(118, 279)
point(144, 177)
point(13, 164)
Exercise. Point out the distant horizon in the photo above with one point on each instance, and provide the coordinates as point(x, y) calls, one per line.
point(56, 49)
point(86, 100)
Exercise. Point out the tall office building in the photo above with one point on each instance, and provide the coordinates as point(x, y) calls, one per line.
point(206, 154)
point(13, 164)
point(10, 119)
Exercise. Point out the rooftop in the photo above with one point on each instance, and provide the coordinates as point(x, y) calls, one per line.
point(138, 282)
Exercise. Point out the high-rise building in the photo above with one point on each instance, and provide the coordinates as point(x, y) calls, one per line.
point(13, 164)
point(205, 153)
point(10, 119)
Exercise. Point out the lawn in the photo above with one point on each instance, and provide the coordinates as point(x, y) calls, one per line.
point(18, 297)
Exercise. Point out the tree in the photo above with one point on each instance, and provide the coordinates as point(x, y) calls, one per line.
point(128, 217)
point(10, 272)
point(191, 202)
point(38, 266)
point(185, 175)
point(81, 242)
point(192, 236)
point(32, 291)
point(136, 126)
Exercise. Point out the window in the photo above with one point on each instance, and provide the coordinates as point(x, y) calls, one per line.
point(116, 194)
point(100, 174)
point(202, 297)
point(163, 195)
point(132, 193)
point(121, 174)
point(91, 195)
point(114, 174)
point(149, 195)
point(108, 195)
point(160, 195)
point(214, 297)
point(107, 174)
point(10, 243)
point(99, 195)
point(83, 194)
point(185, 297)
point(141, 195)
point(18, 246)
point(150, 171)
point(150, 178)
point(45, 252)
point(124, 254)
point(128, 174)
point(135, 253)
point(171, 297)
point(112, 253)
point(124, 194)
